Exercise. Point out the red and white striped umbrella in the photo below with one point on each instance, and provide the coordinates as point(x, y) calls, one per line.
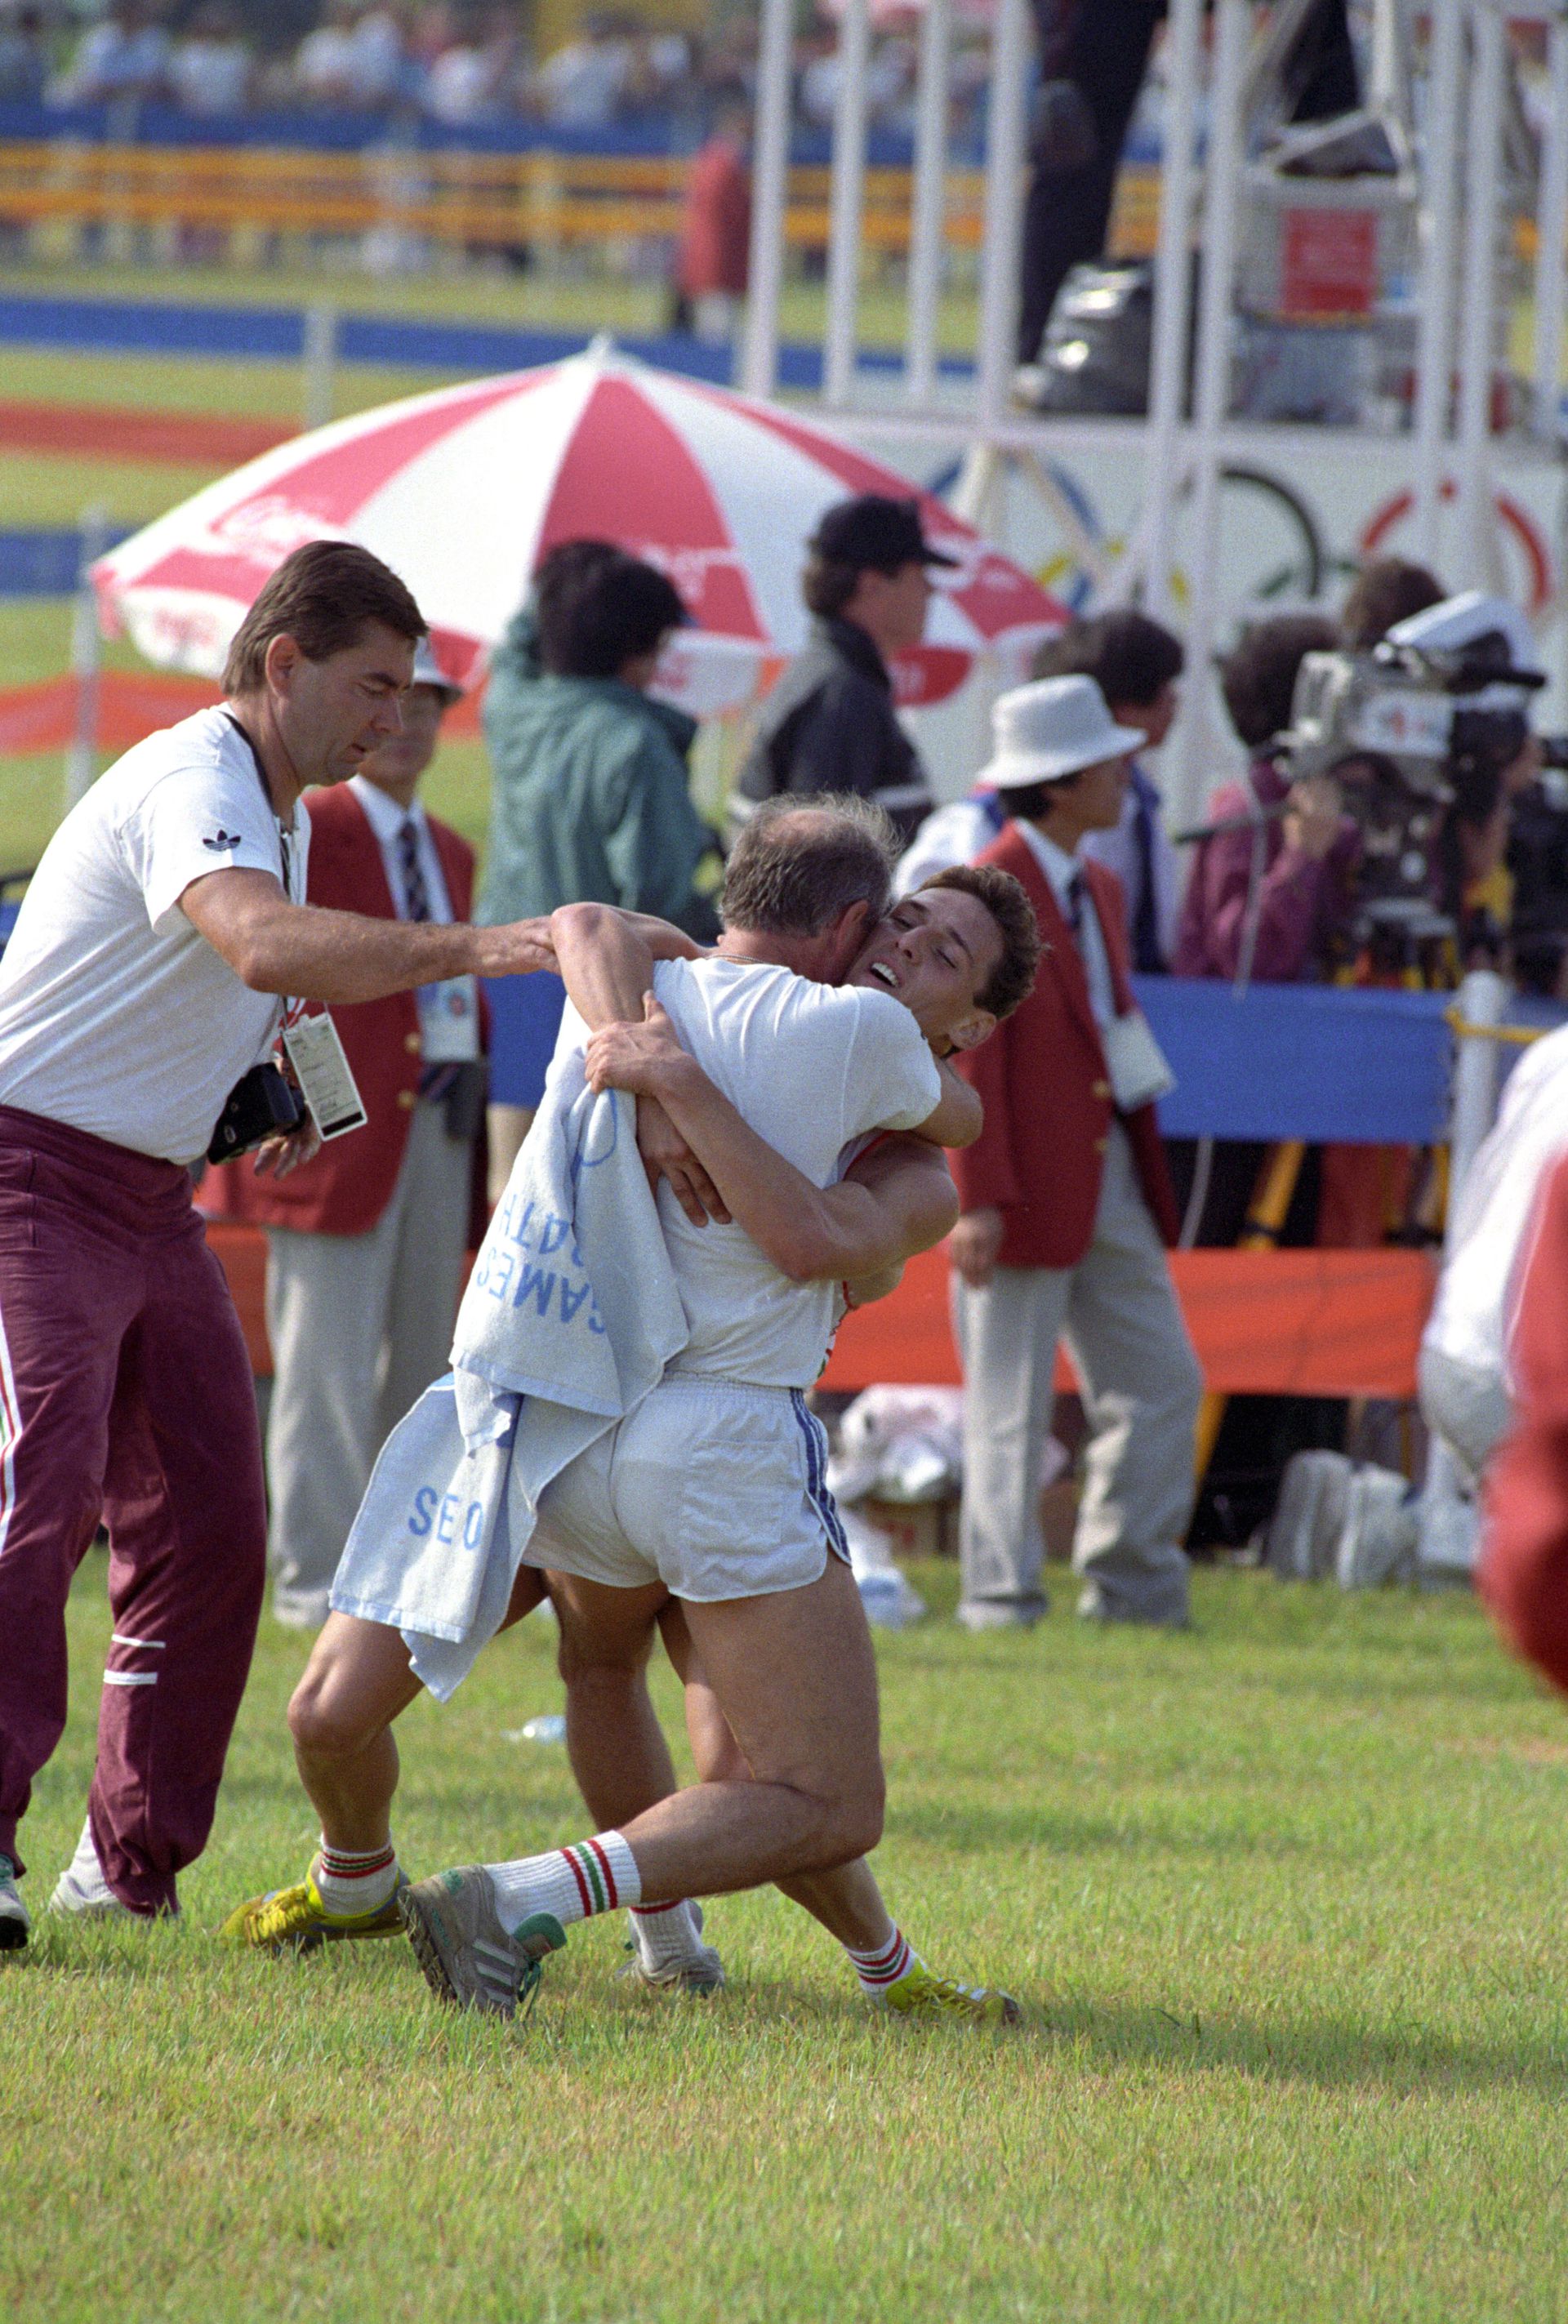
point(464, 490)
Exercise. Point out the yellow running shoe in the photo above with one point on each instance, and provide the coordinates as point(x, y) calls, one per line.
point(295, 1920)
point(920, 1994)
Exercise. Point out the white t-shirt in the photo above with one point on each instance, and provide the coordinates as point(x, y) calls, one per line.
point(811, 1068)
point(1488, 1239)
point(116, 1016)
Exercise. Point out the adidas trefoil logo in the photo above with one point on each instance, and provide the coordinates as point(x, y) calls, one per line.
point(225, 839)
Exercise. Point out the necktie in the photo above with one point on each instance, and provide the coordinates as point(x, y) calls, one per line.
point(1075, 906)
point(416, 895)
point(1146, 952)
point(435, 1080)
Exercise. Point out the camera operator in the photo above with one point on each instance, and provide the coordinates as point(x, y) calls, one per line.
point(1264, 900)
point(143, 984)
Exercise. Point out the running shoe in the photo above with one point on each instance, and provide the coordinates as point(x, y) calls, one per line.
point(468, 1957)
point(920, 1994)
point(697, 1972)
point(295, 1920)
point(16, 1921)
point(82, 1889)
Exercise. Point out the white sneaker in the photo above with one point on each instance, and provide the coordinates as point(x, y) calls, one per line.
point(682, 1963)
point(16, 1921)
point(81, 1887)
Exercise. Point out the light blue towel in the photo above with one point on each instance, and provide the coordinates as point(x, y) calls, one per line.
point(569, 1318)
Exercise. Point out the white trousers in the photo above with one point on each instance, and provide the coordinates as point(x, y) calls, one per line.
point(360, 1326)
point(1117, 1311)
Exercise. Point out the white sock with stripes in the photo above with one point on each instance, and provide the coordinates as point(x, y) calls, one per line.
point(666, 1933)
point(883, 1964)
point(573, 1884)
point(354, 1880)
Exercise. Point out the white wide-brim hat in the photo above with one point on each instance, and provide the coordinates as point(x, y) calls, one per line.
point(428, 672)
point(1056, 727)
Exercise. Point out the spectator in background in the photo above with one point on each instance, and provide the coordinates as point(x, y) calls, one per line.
point(1136, 664)
point(582, 85)
point(1265, 898)
point(24, 54)
point(355, 59)
point(590, 800)
point(1094, 54)
point(210, 68)
point(1066, 1206)
point(125, 56)
point(829, 723)
point(481, 72)
point(1387, 589)
point(366, 1244)
point(716, 230)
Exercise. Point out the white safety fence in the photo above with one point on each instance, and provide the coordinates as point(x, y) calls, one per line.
point(1435, 486)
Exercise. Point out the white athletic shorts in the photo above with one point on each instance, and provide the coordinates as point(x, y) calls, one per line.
point(717, 1489)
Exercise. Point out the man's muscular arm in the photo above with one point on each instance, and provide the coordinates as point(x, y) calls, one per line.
point(871, 1221)
point(606, 957)
point(276, 946)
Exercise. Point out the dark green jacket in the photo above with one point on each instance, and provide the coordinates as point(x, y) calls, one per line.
point(589, 796)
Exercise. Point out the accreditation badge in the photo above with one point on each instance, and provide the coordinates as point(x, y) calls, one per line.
point(325, 1076)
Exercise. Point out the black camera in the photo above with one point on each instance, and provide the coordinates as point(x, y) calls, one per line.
point(261, 1104)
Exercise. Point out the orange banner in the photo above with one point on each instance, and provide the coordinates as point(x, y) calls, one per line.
point(1274, 1322)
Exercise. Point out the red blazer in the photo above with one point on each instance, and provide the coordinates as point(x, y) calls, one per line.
point(348, 1185)
point(1043, 1080)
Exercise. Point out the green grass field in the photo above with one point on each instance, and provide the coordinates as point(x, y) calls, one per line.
point(1283, 1899)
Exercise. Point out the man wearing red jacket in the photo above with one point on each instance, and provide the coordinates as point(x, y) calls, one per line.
point(1065, 1206)
point(366, 1244)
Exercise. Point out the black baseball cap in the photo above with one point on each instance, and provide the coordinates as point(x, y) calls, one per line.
point(872, 531)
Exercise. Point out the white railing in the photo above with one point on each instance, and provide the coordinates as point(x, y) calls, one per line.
point(1449, 448)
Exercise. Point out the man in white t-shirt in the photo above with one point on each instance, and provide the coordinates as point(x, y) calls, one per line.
point(143, 984)
point(817, 1066)
point(713, 1492)
point(1464, 1369)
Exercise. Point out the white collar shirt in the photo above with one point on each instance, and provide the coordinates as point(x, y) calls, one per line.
point(449, 1012)
point(386, 819)
point(1062, 871)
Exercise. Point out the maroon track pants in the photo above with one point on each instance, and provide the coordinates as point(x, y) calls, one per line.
point(125, 1392)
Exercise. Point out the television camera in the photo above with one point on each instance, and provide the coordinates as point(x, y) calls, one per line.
point(1418, 735)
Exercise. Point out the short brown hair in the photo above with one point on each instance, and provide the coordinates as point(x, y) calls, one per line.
point(1257, 675)
point(802, 860)
point(1012, 979)
point(1386, 590)
point(323, 596)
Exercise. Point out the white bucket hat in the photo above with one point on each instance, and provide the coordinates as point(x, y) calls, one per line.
point(1056, 727)
point(428, 672)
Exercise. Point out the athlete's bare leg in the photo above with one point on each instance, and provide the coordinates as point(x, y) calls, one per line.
point(794, 1676)
point(617, 1747)
point(356, 1683)
point(847, 1901)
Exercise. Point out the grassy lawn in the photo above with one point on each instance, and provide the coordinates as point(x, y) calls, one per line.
point(1283, 1900)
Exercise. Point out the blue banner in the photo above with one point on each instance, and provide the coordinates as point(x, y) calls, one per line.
point(1308, 1061)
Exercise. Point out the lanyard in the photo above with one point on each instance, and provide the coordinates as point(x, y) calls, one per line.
point(292, 1009)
